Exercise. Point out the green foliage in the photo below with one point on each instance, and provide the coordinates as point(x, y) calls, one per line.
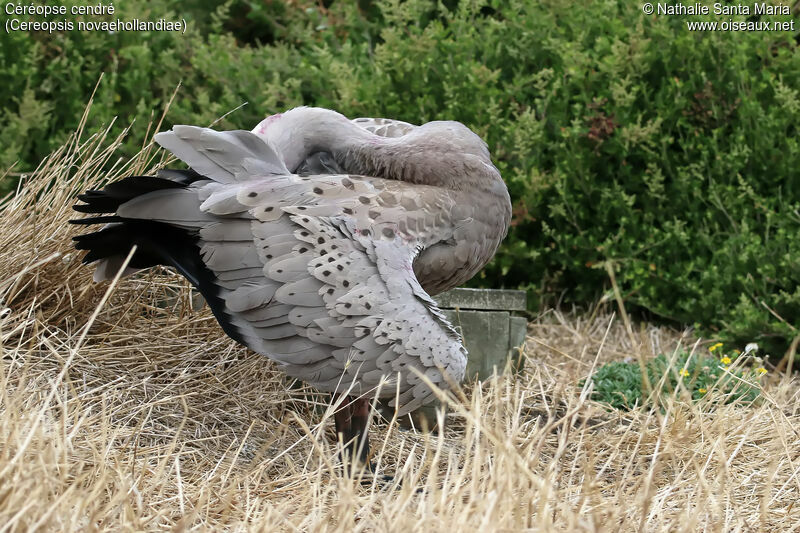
point(623, 138)
point(724, 379)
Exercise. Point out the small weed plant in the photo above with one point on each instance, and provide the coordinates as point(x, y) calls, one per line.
point(726, 376)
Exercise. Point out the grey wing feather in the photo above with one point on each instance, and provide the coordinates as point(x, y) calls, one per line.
point(224, 156)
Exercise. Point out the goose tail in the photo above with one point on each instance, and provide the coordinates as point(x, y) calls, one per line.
point(109, 246)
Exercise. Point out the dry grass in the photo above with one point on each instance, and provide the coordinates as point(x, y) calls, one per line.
point(145, 416)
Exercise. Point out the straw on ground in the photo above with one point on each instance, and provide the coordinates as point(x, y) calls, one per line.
point(157, 420)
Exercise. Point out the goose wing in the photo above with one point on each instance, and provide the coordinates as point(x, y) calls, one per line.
point(314, 272)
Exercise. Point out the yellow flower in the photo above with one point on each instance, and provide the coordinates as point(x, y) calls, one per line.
point(737, 352)
point(715, 346)
point(702, 391)
point(725, 360)
point(684, 372)
point(761, 370)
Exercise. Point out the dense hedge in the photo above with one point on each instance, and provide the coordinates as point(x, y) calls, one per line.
point(622, 137)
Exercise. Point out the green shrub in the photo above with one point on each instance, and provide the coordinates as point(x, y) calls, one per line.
point(723, 378)
point(622, 137)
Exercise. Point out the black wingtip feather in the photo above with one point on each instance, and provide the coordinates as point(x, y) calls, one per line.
point(184, 177)
point(113, 195)
point(157, 243)
point(95, 220)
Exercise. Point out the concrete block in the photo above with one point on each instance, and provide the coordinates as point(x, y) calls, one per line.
point(486, 338)
point(483, 299)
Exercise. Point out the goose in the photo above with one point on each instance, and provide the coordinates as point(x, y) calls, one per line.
point(319, 241)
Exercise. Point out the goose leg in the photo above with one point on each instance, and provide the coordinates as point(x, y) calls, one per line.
point(351, 420)
point(360, 438)
point(360, 435)
point(343, 419)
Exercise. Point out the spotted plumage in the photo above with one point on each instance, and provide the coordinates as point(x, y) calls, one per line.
point(318, 241)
